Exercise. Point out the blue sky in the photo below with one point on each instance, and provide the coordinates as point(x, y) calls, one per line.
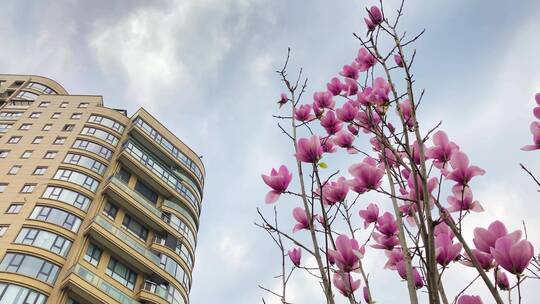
point(205, 68)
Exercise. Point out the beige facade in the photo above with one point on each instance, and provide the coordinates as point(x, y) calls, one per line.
point(96, 206)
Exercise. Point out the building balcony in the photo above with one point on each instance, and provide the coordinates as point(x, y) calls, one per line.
point(154, 293)
point(92, 288)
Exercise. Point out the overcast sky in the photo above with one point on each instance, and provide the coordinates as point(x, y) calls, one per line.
point(205, 68)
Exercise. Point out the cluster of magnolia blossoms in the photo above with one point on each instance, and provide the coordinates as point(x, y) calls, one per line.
point(535, 127)
point(365, 110)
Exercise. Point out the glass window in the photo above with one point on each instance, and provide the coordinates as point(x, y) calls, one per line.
point(4, 153)
point(135, 227)
point(41, 87)
point(47, 127)
point(25, 126)
point(173, 268)
point(67, 196)
point(64, 104)
point(10, 114)
point(86, 162)
point(93, 254)
point(28, 188)
point(57, 217)
point(104, 121)
point(35, 115)
point(15, 294)
point(27, 95)
point(146, 191)
point(40, 170)
point(31, 266)
point(110, 210)
point(3, 230)
point(59, 140)
point(83, 105)
point(50, 154)
point(111, 139)
point(14, 208)
point(14, 139)
point(93, 148)
point(3, 187)
point(14, 170)
point(44, 239)
point(4, 127)
point(55, 115)
point(123, 175)
point(121, 273)
point(68, 127)
point(78, 178)
point(37, 140)
point(26, 154)
point(44, 104)
point(76, 116)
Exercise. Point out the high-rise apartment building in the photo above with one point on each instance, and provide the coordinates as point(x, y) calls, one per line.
point(95, 206)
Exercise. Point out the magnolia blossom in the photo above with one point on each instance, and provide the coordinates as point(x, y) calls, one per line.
point(382, 241)
point(405, 108)
point(350, 87)
point(502, 280)
point(324, 100)
point(347, 253)
point(462, 200)
point(367, 175)
point(535, 130)
point(376, 95)
point(398, 60)
point(347, 113)
point(345, 283)
point(345, 139)
point(301, 216)
point(365, 293)
point(350, 71)
point(330, 123)
point(334, 192)
point(512, 255)
point(365, 60)
point(282, 99)
point(327, 145)
point(303, 113)
point(443, 228)
point(445, 250)
point(394, 257)
point(484, 239)
point(462, 173)
point(309, 150)
point(335, 86)
point(295, 255)
point(536, 110)
point(402, 271)
point(370, 214)
point(465, 299)
point(278, 181)
point(442, 150)
point(375, 15)
point(484, 259)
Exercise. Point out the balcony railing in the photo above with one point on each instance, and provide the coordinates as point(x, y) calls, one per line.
point(128, 240)
point(102, 285)
point(162, 292)
point(181, 210)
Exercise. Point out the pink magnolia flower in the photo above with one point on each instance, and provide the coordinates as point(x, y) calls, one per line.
point(350, 87)
point(335, 86)
point(303, 113)
point(282, 99)
point(465, 299)
point(443, 228)
point(330, 123)
point(300, 215)
point(398, 60)
point(386, 224)
point(535, 130)
point(278, 181)
point(350, 71)
point(317, 110)
point(324, 100)
point(502, 280)
point(445, 250)
point(347, 112)
point(484, 259)
point(327, 144)
point(365, 60)
point(367, 175)
point(346, 255)
point(353, 129)
point(370, 25)
point(462, 173)
point(345, 139)
point(402, 271)
point(536, 110)
point(370, 214)
point(376, 95)
point(484, 239)
point(295, 255)
point(345, 283)
point(442, 150)
point(394, 257)
point(386, 242)
point(309, 150)
point(406, 110)
point(462, 200)
point(375, 15)
point(512, 255)
point(366, 294)
point(334, 192)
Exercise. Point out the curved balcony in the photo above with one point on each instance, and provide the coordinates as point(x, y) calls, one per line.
point(154, 293)
point(92, 288)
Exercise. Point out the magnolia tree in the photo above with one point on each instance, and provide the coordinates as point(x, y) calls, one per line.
point(424, 181)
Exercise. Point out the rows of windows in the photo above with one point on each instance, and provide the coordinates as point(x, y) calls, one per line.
point(28, 153)
point(161, 172)
point(31, 266)
point(173, 295)
point(10, 115)
point(4, 127)
point(106, 136)
point(67, 196)
point(41, 87)
point(15, 294)
point(93, 148)
point(121, 273)
point(177, 246)
point(44, 239)
point(27, 95)
point(105, 121)
point(86, 162)
point(78, 178)
point(57, 217)
point(181, 227)
point(169, 147)
point(174, 269)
